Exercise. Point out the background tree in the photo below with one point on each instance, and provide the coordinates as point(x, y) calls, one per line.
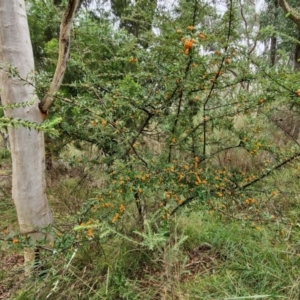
point(134, 17)
point(292, 15)
point(282, 19)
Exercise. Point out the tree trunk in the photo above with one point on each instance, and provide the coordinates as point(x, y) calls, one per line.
point(273, 46)
point(297, 54)
point(27, 145)
point(296, 19)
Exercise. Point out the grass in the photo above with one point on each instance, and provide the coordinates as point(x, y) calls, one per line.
point(254, 264)
point(220, 259)
point(206, 252)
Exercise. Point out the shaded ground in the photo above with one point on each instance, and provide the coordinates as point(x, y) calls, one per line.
point(12, 273)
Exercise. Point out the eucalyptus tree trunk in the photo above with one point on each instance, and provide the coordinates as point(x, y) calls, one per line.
point(27, 145)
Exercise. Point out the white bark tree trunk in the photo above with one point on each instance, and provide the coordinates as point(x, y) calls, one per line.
point(27, 145)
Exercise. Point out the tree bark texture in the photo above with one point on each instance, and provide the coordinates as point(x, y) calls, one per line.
point(27, 145)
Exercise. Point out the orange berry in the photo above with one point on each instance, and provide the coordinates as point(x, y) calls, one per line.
point(115, 218)
point(202, 36)
point(90, 232)
point(191, 27)
point(132, 60)
point(121, 208)
point(188, 44)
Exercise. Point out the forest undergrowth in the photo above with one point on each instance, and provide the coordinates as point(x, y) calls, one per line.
point(172, 153)
point(211, 250)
